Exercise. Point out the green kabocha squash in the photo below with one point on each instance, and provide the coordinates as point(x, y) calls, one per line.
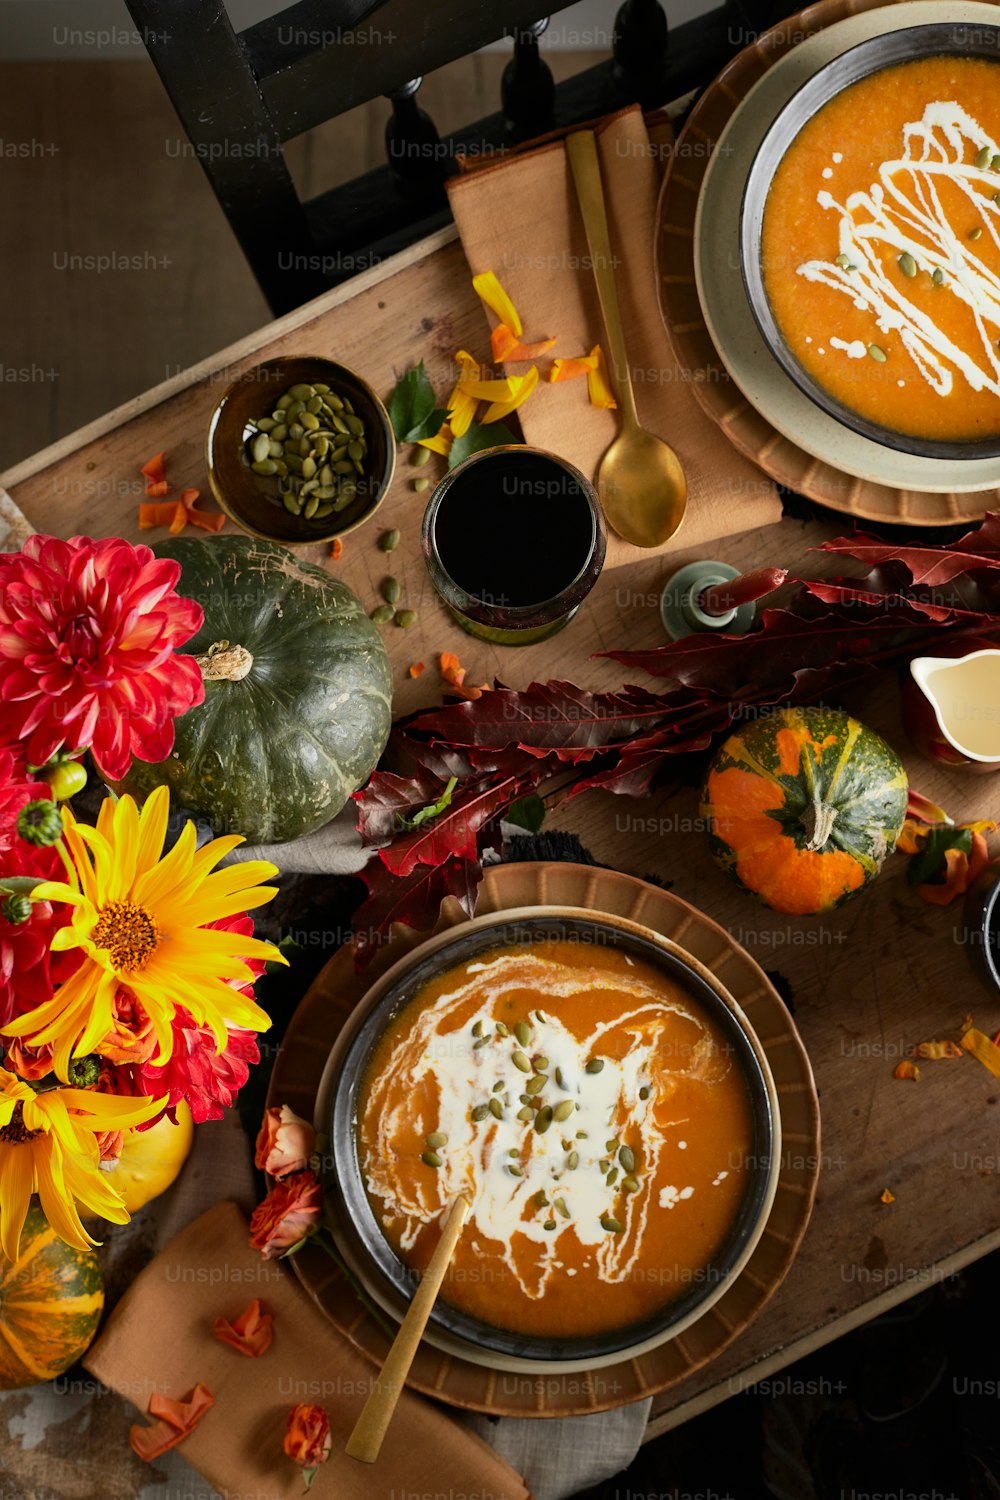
point(802, 807)
point(51, 1300)
point(298, 693)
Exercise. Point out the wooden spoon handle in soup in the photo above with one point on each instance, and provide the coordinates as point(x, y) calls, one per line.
point(581, 148)
point(365, 1441)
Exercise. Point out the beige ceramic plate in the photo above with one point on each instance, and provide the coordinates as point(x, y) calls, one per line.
point(706, 310)
point(553, 1392)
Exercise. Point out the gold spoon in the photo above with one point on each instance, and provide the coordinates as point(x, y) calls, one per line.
point(365, 1441)
point(640, 481)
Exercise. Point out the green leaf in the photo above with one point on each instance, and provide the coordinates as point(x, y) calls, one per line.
point(433, 810)
point(529, 813)
point(928, 867)
point(413, 411)
point(478, 437)
point(286, 946)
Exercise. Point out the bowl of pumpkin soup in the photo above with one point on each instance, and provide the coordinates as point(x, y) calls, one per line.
point(870, 239)
point(600, 1099)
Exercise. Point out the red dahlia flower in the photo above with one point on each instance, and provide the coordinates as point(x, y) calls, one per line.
point(89, 638)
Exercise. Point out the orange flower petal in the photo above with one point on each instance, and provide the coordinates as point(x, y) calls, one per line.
point(250, 1334)
point(416, 667)
point(488, 288)
point(956, 881)
point(886, 1197)
point(337, 548)
point(501, 408)
point(598, 385)
point(451, 668)
point(979, 1044)
point(570, 369)
point(180, 519)
point(156, 513)
point(935, 1051)
point(175, 1420)
point(155, 468)
point(507, 347)
point(906, 1069)
point(161, 487)
point(911, 838)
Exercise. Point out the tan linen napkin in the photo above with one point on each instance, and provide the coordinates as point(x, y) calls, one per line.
point(519, 218)
point(159, 1338)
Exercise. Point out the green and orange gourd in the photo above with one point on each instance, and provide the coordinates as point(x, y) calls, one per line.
point(51, 1298)
point(802, 807)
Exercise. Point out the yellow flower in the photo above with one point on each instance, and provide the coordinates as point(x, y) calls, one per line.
point(139, 918)
point(48, 1146)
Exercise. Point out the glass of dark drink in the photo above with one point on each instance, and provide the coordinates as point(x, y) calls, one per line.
point(514, 541)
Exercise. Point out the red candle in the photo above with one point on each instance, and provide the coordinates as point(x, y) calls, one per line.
point(720, 598)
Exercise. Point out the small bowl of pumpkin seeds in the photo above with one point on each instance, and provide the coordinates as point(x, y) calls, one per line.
point(300, 450)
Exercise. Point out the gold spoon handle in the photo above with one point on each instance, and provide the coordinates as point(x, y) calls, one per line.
point(365, 1441)
point(581, 148)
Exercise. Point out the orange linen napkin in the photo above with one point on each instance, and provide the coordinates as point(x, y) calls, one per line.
point(159, 1338)
point(519, 218)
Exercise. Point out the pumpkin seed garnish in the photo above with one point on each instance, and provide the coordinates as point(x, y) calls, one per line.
point(514, 1169)
point(430, 1158)
point(527, 1099)
point(536, 1084)
point(479, 1113)
point(540, 1200)
point(843, 261)
point(543, 1119)
point(502, 1030)
point(523, 1033)
point(611, 1145)
point(878, 354)
point(540, 1017)
point(630, 1184)
point(383, 614)
point(644, 1092)
point(480, 1026)
point(560, 1204)
point(563, 1109)
point(596, 1065)
point(541, 1065)
point(559, 1078)
point(983, 157)
point(526, 1114)
point(974, 234)
point(611, 1224)
point(581, 1135)
point(498, 1086)
point(495, 1108)
point(549, 1224)
point(482, 1042)
point(436, 1138)
point(573, 1160)
point(994, 162)
point(907, 264)
point(405, 618)
point(421, 484)
point(521, 1061)
point(389, 540)
point(612, 1177)
point(938, 276)
point(627, 1158)
point(420, 457)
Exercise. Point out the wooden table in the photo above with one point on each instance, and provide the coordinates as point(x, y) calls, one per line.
point(884, 973)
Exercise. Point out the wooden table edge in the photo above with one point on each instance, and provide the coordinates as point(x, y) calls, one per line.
point(865, 1312)
point(231, 355)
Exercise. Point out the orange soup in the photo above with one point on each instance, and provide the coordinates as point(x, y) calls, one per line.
point(595, 1116)
point(881, 248)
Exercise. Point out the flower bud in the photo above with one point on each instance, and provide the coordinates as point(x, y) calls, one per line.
point(40, 823)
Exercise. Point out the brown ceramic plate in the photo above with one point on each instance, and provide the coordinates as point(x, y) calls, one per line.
point(303, 1056)
point(761, 411)
point(254, 394)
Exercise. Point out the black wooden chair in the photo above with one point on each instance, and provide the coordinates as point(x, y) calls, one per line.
point(240, 96)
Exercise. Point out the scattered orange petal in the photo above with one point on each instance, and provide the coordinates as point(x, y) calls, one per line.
point(206, 520)
point(935, 1051)
point(154, 471)
point(180, 520)
point(487, 287)
point(886, 1197)
point(175, 1420)
point(250, 1334)
point(156, 513)
point(508, 349)
point(922, 810)
point(570, 369)
point(503, 408)
point(981, 1047)
point(906, 1069)
point(416, 667)
point(911, 837)
point(337, 548)
point(157, 490)
point(451, 668)
point(598, 385)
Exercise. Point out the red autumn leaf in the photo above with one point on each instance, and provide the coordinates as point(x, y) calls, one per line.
point(414, 901)
point(933, 566)
point(387, 798)
point(453, 834)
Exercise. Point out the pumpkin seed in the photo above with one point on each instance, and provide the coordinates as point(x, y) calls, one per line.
point(563, 1109)
point(264, 465)
point(525, 1114)
point(994, 162)
point(559, 1078)
point(383, 614)
point(261, 447)
point(543, 1119)
point(390, 593)
point(343, 466)
point(581, 1135)
point(430, 1158)
point(514, 1169)
point(436, 1138)
point(483, 1040)
point(938, 277)
point(323, 509)
point(536, 1084)
point(314, 405)
point(340, 425)
point(292, 503)
point(974, 234)
point(389, 541)
point(541, 1065)
point(479, 1113)
point(540, 1017)
point(301, 392)
point(907, 264)
point(280, 432)
point(274, 448)
point(573, 1160)
point(421, 456)
point(405, 618)
point(265, 424)
point(612, 1177)
point(283, 402)
point(627, 1158)
point(354, 424)
point(983, 157)
point(311, 507)
point(843, 261)
point(612, 1145)
point(498, 1086)
point(495, 1108)
point(549, 1224)
point(596, 1065)
point(308, 468)
point(520, 1061)
point(523, 1033)
point(878, 354)
point(502, 1030)
point(420, 485)
point(327, 492)
point(644, 1092)
point(611, 1224)
point(479, 1027)
point(334, 400)
point(560, 1204)
point(630, 1184)
point(540, 1200)
point(309, 422)
point(322, 447)
point(527, 1099)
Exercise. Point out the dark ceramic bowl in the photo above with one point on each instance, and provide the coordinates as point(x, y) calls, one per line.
point(942, 39)
point(357, 1227)
point(981, 918)
point(238, 490)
